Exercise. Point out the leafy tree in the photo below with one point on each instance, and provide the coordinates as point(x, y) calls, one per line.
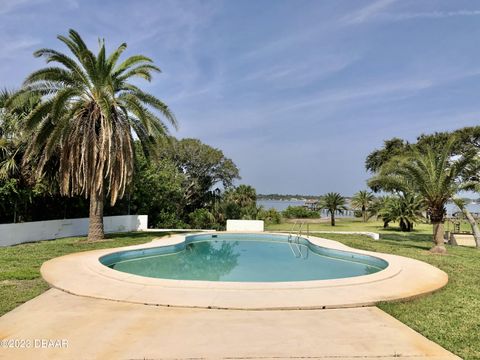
point(88, 114)
point(156, 191)
point(334, 203)
point(379, 157)
point(203, 167)
point(299, 212)
point(362, 201)
point(434, 175)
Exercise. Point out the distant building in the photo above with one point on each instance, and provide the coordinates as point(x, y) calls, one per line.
point(311, 204)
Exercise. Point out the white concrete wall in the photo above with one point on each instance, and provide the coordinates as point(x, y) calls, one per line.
point(245, 225)
point(463, 240)
point(11, 234)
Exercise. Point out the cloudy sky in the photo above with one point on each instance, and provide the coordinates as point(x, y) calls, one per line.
point(297, 93)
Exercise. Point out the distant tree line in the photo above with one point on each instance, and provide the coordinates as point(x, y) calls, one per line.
point(284, 197)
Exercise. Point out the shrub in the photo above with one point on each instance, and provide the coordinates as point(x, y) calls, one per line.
point(270, 216)
point(300, 212)
point(201, 219)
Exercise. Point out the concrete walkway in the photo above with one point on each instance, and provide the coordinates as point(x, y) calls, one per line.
point(87, 328)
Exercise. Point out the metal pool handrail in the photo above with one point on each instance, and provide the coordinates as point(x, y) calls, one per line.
point(296, 240)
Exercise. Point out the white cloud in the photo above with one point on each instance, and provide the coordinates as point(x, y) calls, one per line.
point(11, 48)
point(8, 6)
point(293, 73)
point(367, 12)
point(374, 91)
point(427, 15)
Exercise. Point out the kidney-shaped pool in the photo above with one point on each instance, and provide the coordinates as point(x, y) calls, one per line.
point(244, 258)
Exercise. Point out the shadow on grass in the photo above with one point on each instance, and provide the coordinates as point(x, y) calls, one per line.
point(137, 234)
point(407, 237)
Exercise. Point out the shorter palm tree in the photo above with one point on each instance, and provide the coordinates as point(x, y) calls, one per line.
point(12, 139)
point(243, 195)
point(404, 209)
point(334, 203)
point(362, 201)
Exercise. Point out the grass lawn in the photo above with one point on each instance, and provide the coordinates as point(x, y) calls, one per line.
point(450, 317)
point(359, 225)
point(20, 278)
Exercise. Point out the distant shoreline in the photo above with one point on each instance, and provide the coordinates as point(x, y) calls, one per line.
point(286, 197)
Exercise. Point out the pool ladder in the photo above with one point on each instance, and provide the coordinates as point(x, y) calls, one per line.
point(294, 240)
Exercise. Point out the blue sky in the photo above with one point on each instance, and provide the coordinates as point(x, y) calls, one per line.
point(297, 93)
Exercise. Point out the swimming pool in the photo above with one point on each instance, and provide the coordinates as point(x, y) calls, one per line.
point(244, 258)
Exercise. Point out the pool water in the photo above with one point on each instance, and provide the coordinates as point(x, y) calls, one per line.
point(243, 258)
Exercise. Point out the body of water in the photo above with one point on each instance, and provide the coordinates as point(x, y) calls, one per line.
point(281, 205)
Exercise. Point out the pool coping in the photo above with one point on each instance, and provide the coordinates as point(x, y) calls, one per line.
point(83, 274)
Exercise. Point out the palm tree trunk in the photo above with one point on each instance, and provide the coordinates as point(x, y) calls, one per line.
point(438, 238)
point(364, 214)
point(95, 228)
point(332, 218)
point(437, 219)
point(473, 224)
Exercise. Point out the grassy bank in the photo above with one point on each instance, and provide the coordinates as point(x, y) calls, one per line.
point(450, 317)
point(20, 278)
point(359, 225)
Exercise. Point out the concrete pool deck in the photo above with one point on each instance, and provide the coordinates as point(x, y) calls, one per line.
point(83, 274)
point(91, 328)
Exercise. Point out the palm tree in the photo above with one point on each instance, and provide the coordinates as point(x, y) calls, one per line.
point(333, 202)
point(88, 116)
point(362, 200)
point(405, 209)
point(432, 174)
point(12, 139)
point(243, 195)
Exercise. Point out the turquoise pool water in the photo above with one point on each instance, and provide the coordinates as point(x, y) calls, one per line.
point(243, 258)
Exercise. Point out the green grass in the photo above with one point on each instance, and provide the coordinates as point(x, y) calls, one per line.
point(352, 225)
point(449, 317)
point(20, 278)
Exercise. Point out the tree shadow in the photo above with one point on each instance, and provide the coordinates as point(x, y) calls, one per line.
point(408, 236)
point(138, 234)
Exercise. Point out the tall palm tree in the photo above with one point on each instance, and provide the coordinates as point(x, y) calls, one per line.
point(432, 174)
point(362, 200)
point(88, 116)
point(333, 202)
